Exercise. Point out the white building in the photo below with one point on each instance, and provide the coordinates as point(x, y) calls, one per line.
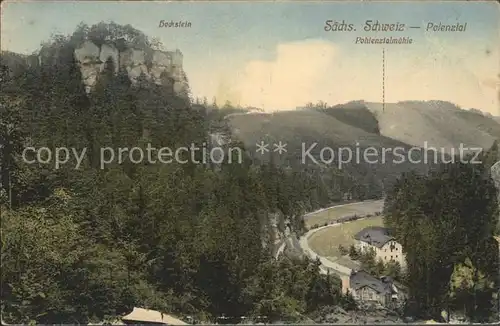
point(146, 316)
point(377, 238)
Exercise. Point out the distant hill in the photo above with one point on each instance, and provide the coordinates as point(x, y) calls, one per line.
point(441, 124)
point(355, 114)
point(438, 124)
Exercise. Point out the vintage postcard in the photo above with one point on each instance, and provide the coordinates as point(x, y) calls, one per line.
point(250, 162)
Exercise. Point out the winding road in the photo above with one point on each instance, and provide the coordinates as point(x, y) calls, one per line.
point(326, 264)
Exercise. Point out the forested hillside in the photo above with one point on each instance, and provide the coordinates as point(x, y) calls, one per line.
point(447, 221)
point(88, 244)
point(427, 132)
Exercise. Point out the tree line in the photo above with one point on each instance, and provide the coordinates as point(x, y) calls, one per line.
point(446, 222)
point(189, 239)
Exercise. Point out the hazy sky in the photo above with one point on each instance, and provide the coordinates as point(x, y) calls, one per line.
point(278, 55)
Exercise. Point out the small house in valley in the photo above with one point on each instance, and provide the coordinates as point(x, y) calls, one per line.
point(367, 288)
point(379, 240)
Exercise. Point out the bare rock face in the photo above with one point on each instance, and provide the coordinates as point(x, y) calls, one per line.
point(134, 61)
point(110, 52)
point(180, 84)
point(88, 57)
point(163, 67)
point(87, 53)
point(169, 63)
point(277, 228)
point(495, 175)
point(161, 63)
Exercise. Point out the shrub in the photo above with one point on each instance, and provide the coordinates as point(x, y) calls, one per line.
point(353, 253)
point(343, 250)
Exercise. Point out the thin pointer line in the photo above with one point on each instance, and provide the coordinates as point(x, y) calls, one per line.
point(383, 80)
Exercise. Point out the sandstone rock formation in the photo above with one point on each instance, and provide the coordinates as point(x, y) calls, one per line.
point(495, 175)
point(89, 58)
point(161, 67)
point(109, 51)
point(134, 61)
point(161, 62)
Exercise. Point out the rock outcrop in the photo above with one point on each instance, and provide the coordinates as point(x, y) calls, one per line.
point(134, 61)
point(88, 56)
point(15, 63)
point(495, 175)
point(161, 67)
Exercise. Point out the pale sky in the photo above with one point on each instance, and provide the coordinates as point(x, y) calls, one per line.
point(278, 56)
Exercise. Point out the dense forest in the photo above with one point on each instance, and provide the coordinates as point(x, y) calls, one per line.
point(446, 221)
point(89, 244)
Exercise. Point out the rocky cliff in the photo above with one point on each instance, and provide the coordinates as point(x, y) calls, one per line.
point(495, 175)
point(160, 67)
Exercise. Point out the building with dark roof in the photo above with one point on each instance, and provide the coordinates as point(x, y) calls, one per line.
point(367, 288)
point(374, 235)
point(379, 240)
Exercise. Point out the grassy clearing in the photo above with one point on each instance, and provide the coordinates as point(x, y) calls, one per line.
point(326, 242)
point(335, 213)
